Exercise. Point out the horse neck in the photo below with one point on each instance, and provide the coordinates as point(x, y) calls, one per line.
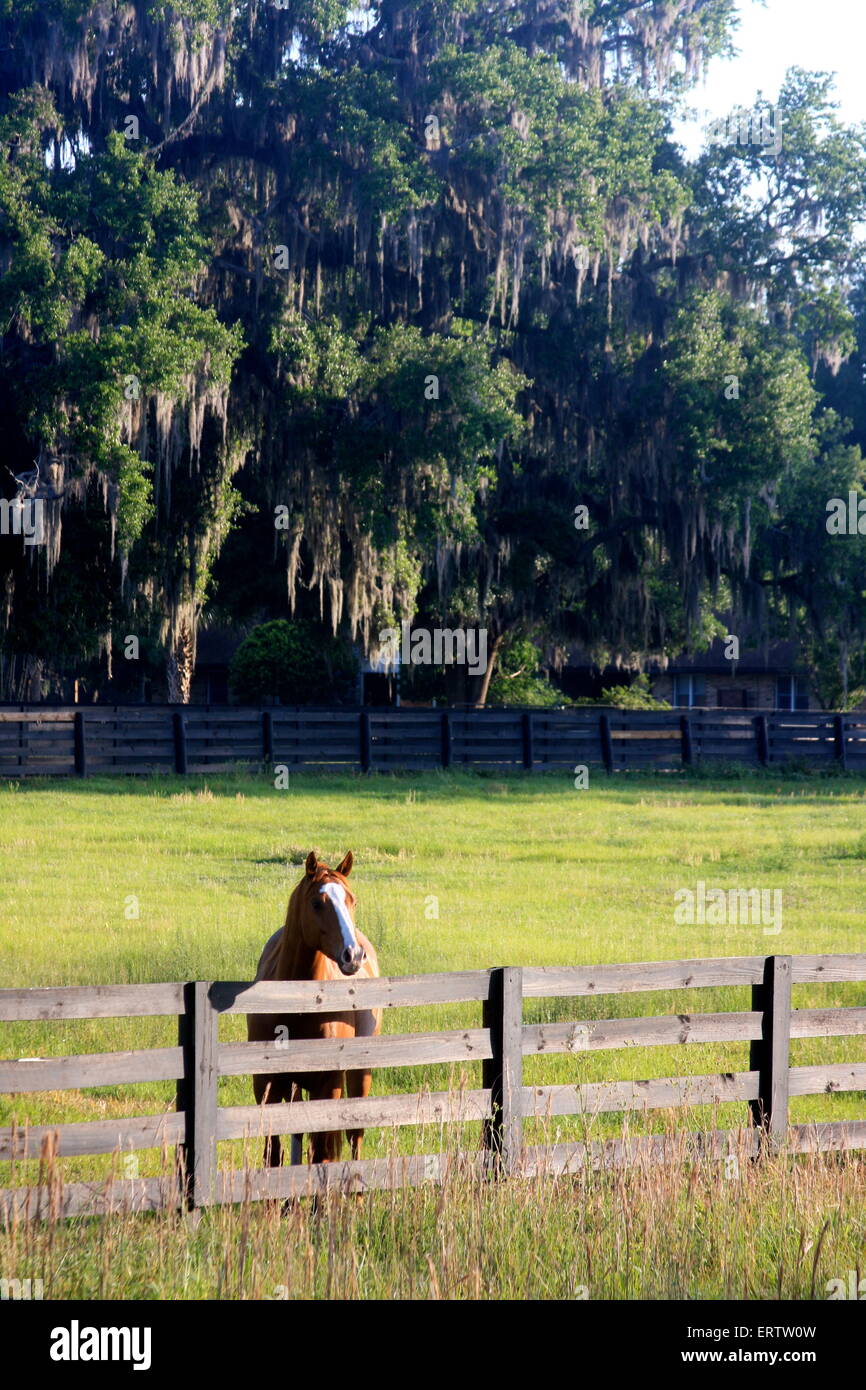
point(294, 960)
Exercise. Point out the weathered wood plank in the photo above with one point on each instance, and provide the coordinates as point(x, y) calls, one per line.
point(643, 976)
point(91, 1001)
point(503, 1072)
point(33, 768)
point(91, 1069)
point(89, 1199)
point(840, 1076)
point(836, 969)
point(372, 1112)
point(325, 996)
point(512, 1068)
point(352, 1054)
point(246, 749)
point(779, 1007)
point(827, 1023)
point(769, 1055)
point(201, 1133)
point(664, 1031)
point(61, 716)
point(364, 1175)
point(597, 1098)
point(667, 1030)
point(80, 1139)
point(567, 981)
point(833, 1137)
point(552, 1160)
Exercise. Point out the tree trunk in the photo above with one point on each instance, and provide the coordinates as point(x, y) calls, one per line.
point(488, 674)
point(33, 680)
point(180, 666)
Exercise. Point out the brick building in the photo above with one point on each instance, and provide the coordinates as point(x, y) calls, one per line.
point(767, 678)
point(770, 677)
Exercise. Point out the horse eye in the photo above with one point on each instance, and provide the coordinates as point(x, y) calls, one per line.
point(319, 904)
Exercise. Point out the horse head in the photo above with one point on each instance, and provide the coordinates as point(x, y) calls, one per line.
point(327, 914)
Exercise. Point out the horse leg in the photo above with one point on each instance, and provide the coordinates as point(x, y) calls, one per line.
point(267, 1092)
point(368, 1024)
point(297, 1140)
point(325, 1147)
point(358, 1085)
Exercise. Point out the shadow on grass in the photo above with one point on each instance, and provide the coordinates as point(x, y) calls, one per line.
point(731, 784)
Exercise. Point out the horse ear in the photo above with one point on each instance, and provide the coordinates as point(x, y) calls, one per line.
point(312, 863)
point(346, 867)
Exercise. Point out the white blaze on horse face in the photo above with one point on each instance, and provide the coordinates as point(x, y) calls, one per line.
point(337, 894)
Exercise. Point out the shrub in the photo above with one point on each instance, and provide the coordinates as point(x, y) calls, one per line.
point(635, 696)
point(294, 664)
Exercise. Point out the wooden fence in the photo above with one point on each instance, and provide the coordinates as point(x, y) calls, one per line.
point(503, 1103)
point(40, 740)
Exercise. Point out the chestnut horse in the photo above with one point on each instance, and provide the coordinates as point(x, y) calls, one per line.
point(318, 942)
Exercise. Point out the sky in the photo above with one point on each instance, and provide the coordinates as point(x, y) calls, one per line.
point(820, 35)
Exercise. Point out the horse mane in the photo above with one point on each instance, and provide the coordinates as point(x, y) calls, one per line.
point(291, 934)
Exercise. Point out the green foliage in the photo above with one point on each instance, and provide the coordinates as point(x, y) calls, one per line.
point(550, 146)
point(519, 678)
point(294, 663)
point(102, 259)
point(55, 11)
point(789, 219)
point(638, 695)
point(421, 417)
point(733, 443)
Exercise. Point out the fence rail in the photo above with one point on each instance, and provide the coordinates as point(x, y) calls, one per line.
point(39, 740)
point(502, 1104)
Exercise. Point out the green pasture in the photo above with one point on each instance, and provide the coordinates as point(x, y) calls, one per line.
point(520, 870)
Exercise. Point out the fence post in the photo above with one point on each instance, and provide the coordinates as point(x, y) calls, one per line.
point(179, 726)
point(770, 1055)
point(528, 756)
point(762, 741)
point(365, 741)
point(182, 1101)
point(267, 737)
point(446, 739)
point(80, 745)
point(606, 742)
point(686, 750)
point(200, 1093)
point(841, 744)
point(502, 1074)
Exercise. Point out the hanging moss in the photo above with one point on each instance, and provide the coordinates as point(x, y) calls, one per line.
point(511, 251)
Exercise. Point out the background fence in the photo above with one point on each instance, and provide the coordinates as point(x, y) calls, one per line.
point(39, 740)
point(502, 1104)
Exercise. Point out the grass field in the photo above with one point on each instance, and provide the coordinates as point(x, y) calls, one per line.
point(519, 870)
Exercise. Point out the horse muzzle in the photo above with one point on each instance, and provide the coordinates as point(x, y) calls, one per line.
point(351, 959)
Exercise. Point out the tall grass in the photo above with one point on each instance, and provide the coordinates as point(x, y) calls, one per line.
point(781, 1228)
